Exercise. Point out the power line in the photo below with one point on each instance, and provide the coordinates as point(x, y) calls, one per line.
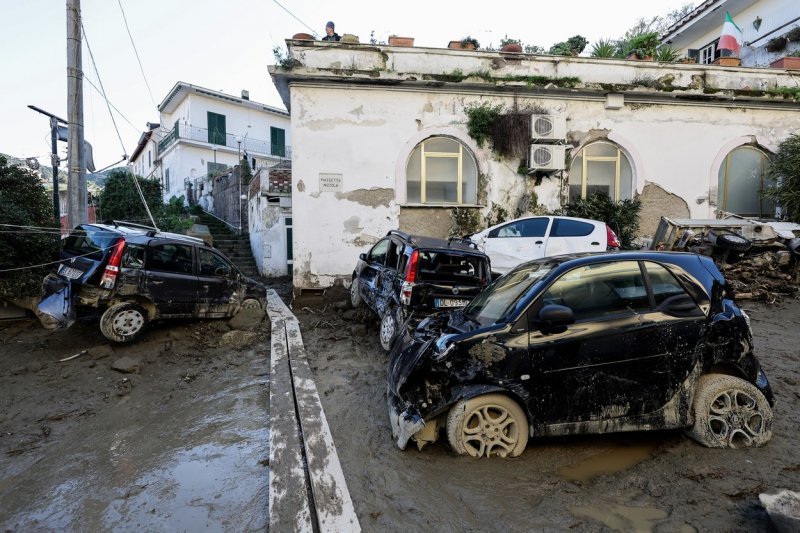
point(138, 130)
point(315, 34)
point(56, 262)
point(141, 68)
point(102, 89)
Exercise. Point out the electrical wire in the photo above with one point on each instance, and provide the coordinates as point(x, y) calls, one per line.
point(113, 106)
point(315, 34)
point(141, 68)
point(103, 91)
point(55, 262)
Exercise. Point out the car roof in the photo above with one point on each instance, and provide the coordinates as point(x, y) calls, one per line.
point(142, 233)
point(434, 243)
point(562, 217)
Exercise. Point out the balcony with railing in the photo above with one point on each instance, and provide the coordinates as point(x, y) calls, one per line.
point(251, 146)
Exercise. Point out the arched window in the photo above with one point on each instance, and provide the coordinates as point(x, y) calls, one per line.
point(441, 170)
point(741, 182)
point(601, 167)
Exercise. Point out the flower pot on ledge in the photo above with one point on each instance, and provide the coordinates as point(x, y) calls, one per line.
point(788, 63)
point(513, 48)
point(727, 61)
point(395, 40)
point(458, 45)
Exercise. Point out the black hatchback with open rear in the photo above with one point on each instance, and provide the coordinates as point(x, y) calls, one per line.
point(405, 276)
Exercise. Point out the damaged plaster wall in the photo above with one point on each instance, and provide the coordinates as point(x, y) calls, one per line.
point(656, 202)
point(360, 139)
point(267, 227)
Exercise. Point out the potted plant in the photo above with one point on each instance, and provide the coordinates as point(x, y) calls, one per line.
point(788, 62)
point(642, 46)
point(510, 45)
point(794, 34)
point(395, 40)
point(776, 44)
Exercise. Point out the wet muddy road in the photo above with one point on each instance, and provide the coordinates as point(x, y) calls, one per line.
point(659, 481)
point(179, 445)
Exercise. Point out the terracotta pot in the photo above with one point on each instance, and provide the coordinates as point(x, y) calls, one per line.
point(458, 46)
point(513, 48)
point(727, 61)
point(303, 37)
point(788, 63)
point(395, 40)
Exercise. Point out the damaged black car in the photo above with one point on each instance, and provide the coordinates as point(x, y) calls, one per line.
point(405, 274)
point(129, 275)
point(584, 343)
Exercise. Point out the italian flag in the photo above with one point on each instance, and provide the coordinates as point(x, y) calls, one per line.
point(731, 38)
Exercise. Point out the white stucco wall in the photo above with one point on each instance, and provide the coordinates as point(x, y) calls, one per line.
point(267, 221)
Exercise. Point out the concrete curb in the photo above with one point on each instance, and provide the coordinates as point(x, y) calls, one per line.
point(307, 488)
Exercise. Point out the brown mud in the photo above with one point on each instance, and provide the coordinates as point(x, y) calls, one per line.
point(648, 481)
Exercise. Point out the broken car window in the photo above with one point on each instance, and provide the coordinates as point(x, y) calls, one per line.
point(502, 296)
point(170, 258)
point(134, 256)
point(379, 251)
point(213, 265)
point(90, 242)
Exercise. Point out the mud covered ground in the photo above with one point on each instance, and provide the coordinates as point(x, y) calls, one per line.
point(658, 481)
point(178, 442)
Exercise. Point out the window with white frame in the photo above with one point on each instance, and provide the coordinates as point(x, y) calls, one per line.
point(441, 170)
point(601, 167)
point(741, 183)
point(707, 54)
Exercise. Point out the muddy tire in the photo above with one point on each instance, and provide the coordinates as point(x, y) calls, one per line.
point(123, 322)
point(251, 303)
point(486, 426)
point(387, 333)
point(730, 413)
point(731, 241)
point(355, 297)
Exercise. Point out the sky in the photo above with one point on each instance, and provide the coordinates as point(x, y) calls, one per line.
point(226, 46)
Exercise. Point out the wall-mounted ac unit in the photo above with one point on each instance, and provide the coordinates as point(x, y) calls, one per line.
point(547, 157)
point(548, 127)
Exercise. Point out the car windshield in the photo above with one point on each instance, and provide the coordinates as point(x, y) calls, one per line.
point(501, 296)
point(90, 241)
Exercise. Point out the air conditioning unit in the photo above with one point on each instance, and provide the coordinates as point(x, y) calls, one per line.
point(547, 157)
point(548, 127)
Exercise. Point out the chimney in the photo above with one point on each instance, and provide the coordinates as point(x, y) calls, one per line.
point(245, 94)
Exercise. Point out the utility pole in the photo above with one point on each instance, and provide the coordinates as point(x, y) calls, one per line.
point(76, 185)
point(55, 136)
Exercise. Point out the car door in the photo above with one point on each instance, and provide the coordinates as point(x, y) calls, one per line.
point(386, 282)
point(516, 242)
point(217, 281)
point(170, 280)
point(569, 235)
point(611, 362)
point(368, 277)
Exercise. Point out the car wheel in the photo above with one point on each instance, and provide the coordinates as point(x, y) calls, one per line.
point(732, 241)
point(355, 297)
point(388, 329)
point(251, 303)
point(730, 413)
point(123, 322)
point(486, 426)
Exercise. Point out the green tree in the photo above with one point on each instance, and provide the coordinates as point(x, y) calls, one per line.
point(25, 203)
point(121, 201)
point(783, 170)
point(622, 216)
point(571, 47)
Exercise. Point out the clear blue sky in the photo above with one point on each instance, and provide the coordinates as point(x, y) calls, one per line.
point(227, 46)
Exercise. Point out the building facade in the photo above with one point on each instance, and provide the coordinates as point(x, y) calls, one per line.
point(764, 23)
point(391, 147)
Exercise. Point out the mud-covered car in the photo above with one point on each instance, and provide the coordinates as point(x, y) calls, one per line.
point(130, 275)
point(584, 343)
point(405, 274)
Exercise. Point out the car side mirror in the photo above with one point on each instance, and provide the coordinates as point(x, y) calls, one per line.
point(362, 256)
point(680, 305)
point(554, 318)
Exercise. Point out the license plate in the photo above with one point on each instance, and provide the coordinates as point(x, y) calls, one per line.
point(69, 272)
point(450, 302)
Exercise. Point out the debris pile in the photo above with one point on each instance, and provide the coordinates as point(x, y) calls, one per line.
point(762, 275)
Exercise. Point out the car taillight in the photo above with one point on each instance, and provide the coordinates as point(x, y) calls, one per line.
point(112, 268)
point(611, 237)
point(411, 276)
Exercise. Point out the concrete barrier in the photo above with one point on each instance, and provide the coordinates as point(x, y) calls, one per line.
point(307, 486)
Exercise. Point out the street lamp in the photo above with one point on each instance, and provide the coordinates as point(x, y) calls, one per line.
point(239, 142)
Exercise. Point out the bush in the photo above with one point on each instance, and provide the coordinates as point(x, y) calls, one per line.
point(622, 216)
point(783, 170)
point(571, 47)
point(480, 120)
point(25, 203)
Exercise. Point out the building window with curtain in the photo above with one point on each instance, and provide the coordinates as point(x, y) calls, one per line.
point(441, 170)
point(601, 167)
point(741, 183)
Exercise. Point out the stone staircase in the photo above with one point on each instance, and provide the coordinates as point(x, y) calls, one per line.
point(235, 247)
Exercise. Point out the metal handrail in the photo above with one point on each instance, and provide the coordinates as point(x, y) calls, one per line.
point(237, 230)
point(248, 144)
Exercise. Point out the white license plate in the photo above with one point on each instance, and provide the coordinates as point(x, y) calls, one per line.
point(69, 272)
point(450, 302)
